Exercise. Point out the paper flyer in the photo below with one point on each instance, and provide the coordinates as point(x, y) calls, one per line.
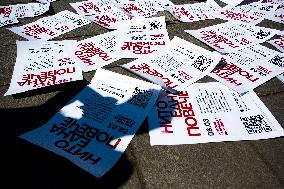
point(45, 1)
point(278, 42)
point(232, 2)
point(230, 36)
point(141, 8)
point(7, 15)
point(89, 7)
point(142, 37)
point(30, 9)
point(110, 17)
point(95, 128)
point(51, 26)
point(257, 12)
point(250, 67)
point(278, 15)
point(43, 63)
point(280, 2)
point(252, 13)
point(178, 66)
point(165, 4)
point(194, 12)
point(210, 112)
point(97, 51)
point(281, 77)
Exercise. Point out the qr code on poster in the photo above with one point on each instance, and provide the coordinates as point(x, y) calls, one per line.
point(140, 98)
point(202, 63)
point(255, 124)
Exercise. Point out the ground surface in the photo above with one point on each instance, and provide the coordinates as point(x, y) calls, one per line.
point(244, 164)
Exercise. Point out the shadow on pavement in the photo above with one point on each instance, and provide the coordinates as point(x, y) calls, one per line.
point(31, 166)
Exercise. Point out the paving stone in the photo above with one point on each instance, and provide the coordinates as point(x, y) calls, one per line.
point(212, 165)
point(173, 30)
point(270, 87)
point(244, 164)
point(7, 62)
point(271, 151)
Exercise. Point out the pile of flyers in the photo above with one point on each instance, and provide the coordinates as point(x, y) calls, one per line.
point(96, 126)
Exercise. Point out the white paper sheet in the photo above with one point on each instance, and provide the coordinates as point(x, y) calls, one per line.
point(7, 15)
point(142, 8)
point(252, 13)
point(165, 4)
point(232, 35)
point(97, 51)
point(31, 9)
point(52, 26)
point(278, 42)
point(281, 77)
point(101, 12)
point(43, 63)
point(180, 65)
point(278, 15)
point(250, 67)
point(110, 17)
point(280, 2)
point(194, 12)
point(46, 1)
point(87, 7)
point(10, 13)
point(94, 129)
point(210, 112)
point(142, 37)
point(232, 2)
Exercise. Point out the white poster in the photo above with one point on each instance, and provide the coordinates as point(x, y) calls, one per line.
point(87, 7)
point(43, 63)
point(141, 8)
point(278, 15)
point(252, 13)
point(250, 67)
point(165, 4)
point(232, 2)
point(97, 51)
point(142, 37)
point(278, 42)
point(52, 26)
point(110, 17)
point(45, 1)
point(7, 15)
point(280, 2)
point(30, 9)
point(281, 77)
point(10, 13)
point(210, 112)
point(94, 129)
point(178, 66)
point(229, 36)
point(194, 12)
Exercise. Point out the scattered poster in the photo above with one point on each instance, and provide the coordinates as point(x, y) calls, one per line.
point(233, 3)
point(142, 37)
point(194, 12)
point(178, 66)
point(51, 26)
point(210, 112)
point(230, 36)
point(97, 51)
point(43, 63)
point(278, 42)
point(95, 128)
point(250, 67)
point(9, 14)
